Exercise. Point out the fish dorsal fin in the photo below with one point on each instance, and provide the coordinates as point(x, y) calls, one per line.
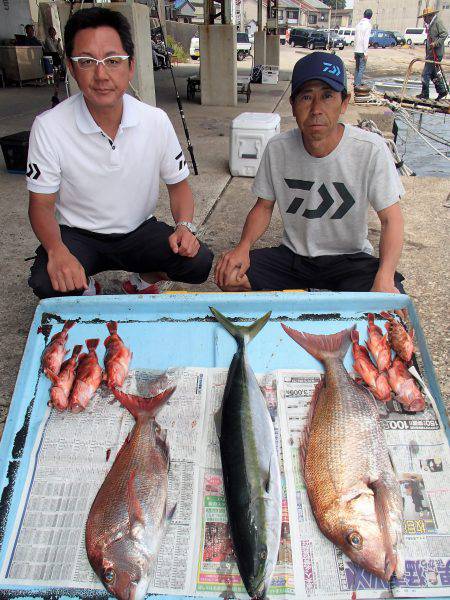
point(135, 513)
point(242, 334)
point(307, 429)
point(381, 498)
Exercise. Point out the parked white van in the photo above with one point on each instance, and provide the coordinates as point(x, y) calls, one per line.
point(348, 35)
point(415, 35)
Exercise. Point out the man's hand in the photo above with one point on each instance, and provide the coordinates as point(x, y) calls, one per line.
point(183, 242)
point(239, 259)
point(384, 284)
point(65, 271)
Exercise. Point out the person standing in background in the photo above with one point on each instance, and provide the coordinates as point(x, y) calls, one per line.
point(434, 51)
point(31, 39)
point(362, 35)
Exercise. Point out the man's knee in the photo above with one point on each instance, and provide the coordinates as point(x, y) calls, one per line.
point(40, 283)
point(199, 267)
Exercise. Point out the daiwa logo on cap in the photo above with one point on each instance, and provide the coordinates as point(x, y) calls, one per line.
point(331, 69)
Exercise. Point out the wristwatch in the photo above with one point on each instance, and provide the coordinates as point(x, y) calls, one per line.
point(192, 228)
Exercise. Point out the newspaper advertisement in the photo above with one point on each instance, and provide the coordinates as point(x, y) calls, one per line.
point(73, 453)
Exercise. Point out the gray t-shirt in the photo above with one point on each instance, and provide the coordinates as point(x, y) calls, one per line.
point(324, 201)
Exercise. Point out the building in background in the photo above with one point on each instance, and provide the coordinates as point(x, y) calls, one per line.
point(397, 15)
point(342, 17)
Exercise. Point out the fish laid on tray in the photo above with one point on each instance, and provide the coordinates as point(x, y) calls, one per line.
point(400, 340)
point(55, 350)
point(404, 386)
point(350, 481)
point(63, 382)
point(377, 382)
point(129, 515)
point(378, 345)
point(88, 378)
point(117, 357)
point(251, 474)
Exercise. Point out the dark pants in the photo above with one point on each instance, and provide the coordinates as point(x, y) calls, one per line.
point(432, 71)
point(144, 250)
point(281, 269)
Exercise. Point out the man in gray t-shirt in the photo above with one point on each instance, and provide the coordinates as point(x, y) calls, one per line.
point(323, 176)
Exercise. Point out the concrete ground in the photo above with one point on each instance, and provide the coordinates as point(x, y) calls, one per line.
point(222, 200)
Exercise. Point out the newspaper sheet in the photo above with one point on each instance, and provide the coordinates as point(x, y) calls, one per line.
point(73, 453)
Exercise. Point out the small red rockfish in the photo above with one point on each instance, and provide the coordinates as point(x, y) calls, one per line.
point(404, 386)
point(378, 345)
point(88, 379)
point(377, 382)
point(117, 358)
point(62, 383)
point(55, 351)
point(400, 340)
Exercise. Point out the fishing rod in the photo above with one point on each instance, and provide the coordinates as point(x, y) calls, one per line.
point(180, 106)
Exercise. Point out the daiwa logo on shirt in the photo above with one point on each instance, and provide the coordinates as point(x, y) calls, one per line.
point(331, 69)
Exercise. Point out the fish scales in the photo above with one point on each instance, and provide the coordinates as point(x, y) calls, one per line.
point(349, 478)
point(250, 467)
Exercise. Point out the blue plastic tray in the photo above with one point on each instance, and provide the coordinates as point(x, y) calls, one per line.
point(174, 330)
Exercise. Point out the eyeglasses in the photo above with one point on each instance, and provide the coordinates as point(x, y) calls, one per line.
point(110, 62)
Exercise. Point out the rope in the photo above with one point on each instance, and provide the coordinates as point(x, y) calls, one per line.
point(402, 169)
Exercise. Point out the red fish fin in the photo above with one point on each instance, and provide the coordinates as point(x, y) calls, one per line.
point(92, 344)
point(68, 325)
point(139, 405)
point(76, 350)
point(112, 327)
point(136, 515)
point(381, 499)
point(354, 335)
point(386, 315)
point(322, 346)
point(411, 334)
point(307, 429)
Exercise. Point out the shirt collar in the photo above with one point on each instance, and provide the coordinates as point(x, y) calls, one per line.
point(86, 123)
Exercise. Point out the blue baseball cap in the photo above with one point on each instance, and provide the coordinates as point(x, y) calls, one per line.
point(322, 66)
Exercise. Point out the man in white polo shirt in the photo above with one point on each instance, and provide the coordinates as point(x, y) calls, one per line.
point(94, 167)
point(362, 36)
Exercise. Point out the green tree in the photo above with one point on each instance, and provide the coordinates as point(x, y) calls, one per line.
point(335, 3)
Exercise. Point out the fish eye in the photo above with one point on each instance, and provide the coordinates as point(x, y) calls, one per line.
point(263, 554)
point(109, 575)
point(355, 540)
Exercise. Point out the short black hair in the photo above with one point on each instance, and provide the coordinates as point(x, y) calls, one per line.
point(368, 13)
point(98, 17)
point(29, 27)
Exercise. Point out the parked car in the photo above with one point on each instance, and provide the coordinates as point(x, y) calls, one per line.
point(415, 35)
point(244, 46)
point(382, 39)
point(348, 34)
point(319, 40)
point(400, 38)
point(299, 36)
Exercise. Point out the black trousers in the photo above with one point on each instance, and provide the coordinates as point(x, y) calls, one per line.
point(143, 250)
point(279, 268)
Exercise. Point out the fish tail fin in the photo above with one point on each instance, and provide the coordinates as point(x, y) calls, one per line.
point(92, 344)
point(112, 327)
point(322, 346)
point(242, 334)
point(386, 315)
point(76, 350)
point(140, 405)
point(354, 335)
point(68, 325)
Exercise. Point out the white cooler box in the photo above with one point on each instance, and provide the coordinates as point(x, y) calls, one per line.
point(249, 135)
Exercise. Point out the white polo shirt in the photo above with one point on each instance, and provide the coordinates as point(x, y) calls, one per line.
point(362, 36)
point(106, 186)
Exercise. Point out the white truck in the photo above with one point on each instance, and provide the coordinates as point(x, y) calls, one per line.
point(244, 46)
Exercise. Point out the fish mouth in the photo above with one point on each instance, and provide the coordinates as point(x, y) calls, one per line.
point(138, 591)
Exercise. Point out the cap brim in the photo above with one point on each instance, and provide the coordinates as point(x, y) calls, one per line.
point(335, 85)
